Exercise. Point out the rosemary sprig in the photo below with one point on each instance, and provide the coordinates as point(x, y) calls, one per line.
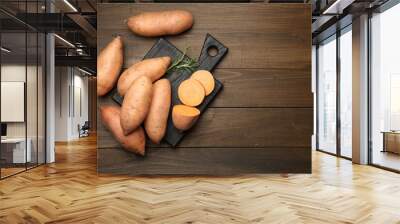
point(176, 62)
point(183, 63)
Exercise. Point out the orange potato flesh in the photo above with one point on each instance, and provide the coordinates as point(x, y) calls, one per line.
point(191, 92)
point(109, 64)
point(154, 68)
point(134, 142)
point(184, 117)
point(206, 79)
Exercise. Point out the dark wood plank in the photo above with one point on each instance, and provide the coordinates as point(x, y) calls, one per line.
point(270, 36)
point(205, 161)
point(243, 127)
point(264, 88)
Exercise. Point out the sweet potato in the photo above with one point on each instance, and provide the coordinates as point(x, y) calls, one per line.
point(134, 142)
point(156, 120)
point(191, 92)
point(206, 79)
point(109, 63)
point(152, 24)
point(184, 117)
point(136, 104)
point(153, 68)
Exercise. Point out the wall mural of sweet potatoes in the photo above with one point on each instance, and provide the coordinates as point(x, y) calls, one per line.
point(243, 110)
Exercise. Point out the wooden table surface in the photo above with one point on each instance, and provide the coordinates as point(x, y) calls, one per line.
point(262, 120)
point(70, 191)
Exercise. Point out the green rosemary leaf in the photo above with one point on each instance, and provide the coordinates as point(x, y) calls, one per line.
point(183, 62)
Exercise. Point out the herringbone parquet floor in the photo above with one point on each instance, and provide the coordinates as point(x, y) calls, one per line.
point(70, 191)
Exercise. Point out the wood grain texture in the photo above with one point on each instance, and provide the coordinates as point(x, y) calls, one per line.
point(263, 88)
point(264, 112)
point(71, 191)
point(92, 106)
point(206, 161)
point(242, 127)
point(258, 35)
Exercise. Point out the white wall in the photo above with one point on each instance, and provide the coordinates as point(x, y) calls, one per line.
point(12, 73)
point(360, 90)
point(61, 104)
point(33, 127)
point(314, 91)
point(16, 73)
point(80, 100)
point(70, 83)
point(50, 94)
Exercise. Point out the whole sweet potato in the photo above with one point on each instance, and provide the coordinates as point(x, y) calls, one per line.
point(156, 121)
point(134, 142)
point(153, 68)
point(152, 24)
point(136, 104)
point(109, 63)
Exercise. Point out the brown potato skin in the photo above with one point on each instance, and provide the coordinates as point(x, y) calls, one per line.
point(134, 142)
point(182, 122)
point(136, 104)
point(153, 24)
point(109, 64)
point(156, 121)
point(154, 68)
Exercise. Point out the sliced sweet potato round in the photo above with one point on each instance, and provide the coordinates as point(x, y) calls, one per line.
point(206, 79)
point(191, 92)
point(184, 117)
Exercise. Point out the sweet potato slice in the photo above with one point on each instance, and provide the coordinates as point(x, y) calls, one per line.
point(184, 117)
point(191, 92)
point(134, 142)
point(206, 79)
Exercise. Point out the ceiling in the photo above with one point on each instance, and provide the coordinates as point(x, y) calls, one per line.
point(19, 54)
point(21, 21)
point(332, 15)
point(63, 20)
point(40, 6)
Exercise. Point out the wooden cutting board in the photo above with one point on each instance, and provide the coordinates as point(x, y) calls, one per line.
point(206, 61)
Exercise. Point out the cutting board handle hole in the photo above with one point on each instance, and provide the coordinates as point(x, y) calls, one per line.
point(212, 51)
